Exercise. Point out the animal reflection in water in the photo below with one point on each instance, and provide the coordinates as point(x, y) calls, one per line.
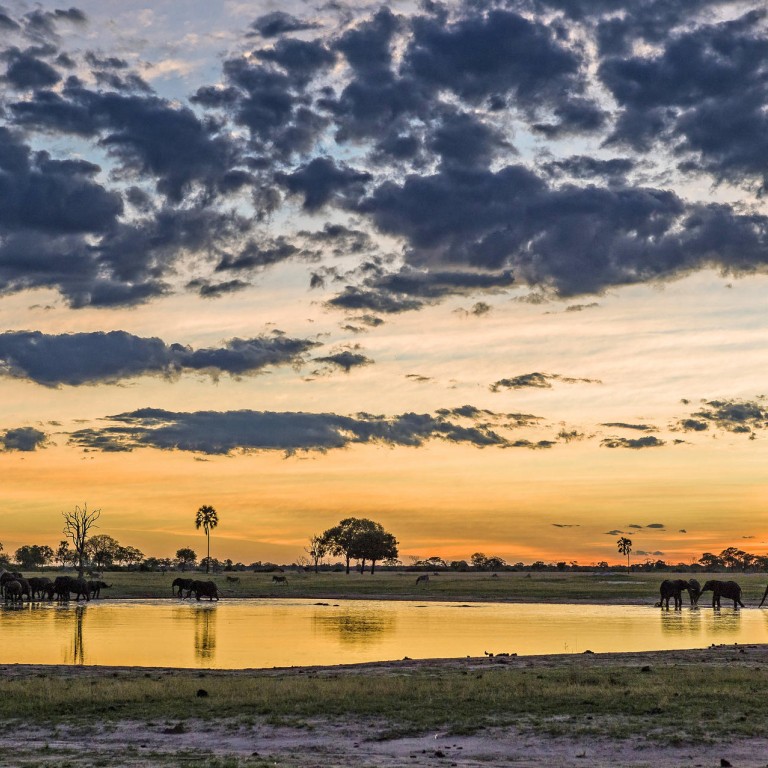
point(205, 633)
point(354, 626)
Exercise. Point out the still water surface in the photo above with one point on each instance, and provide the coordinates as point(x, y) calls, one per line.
point(277, 633)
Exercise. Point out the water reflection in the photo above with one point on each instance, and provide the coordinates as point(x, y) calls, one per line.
point(78, 646)
point(205, 632)
point(355, 626)
point(281, 633)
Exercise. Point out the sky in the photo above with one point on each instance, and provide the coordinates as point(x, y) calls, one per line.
point(490, 273)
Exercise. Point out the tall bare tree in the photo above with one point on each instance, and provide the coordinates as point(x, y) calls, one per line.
point(207, 519)
point(76, 527)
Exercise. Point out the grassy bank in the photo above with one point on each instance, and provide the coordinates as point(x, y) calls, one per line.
point(670, 696)
point(568, 587)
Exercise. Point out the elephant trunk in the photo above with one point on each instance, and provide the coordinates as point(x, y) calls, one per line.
point(765, 594)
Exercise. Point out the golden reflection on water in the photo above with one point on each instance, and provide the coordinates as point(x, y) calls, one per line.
point(266, 633)
point(205, 633)
point(353, 625)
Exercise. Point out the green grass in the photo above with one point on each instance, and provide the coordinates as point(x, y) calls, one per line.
point(616, 701)
point(572, 587)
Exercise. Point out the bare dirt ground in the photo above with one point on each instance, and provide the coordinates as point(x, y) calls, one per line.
point(229, 743)
point(135, 744)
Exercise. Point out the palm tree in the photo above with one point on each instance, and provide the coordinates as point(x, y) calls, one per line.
point(207, 519)
point(625, 547)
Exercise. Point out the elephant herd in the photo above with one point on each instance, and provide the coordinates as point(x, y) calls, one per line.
point(673, 590)
point(193, 586)
point(15, 587)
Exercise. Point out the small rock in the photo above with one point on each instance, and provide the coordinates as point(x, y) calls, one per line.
point(201, 693)
point(439, 753)
point(646, 668)
point(588, 651)
point(178, 728)
point(724, 763)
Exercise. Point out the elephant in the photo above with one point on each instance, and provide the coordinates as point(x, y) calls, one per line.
point(728, 589)
point(205, 589)
point(12, 591)
point(674, 588)
point(63, 585)
point(39, 586)
point(7, 576)
point(182, 584)
point(765, 594)
point(95, 587)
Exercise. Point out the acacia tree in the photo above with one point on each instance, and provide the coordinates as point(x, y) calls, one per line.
point(207, 519)
point(77, 524)
point(65, 555)
point(186, 557)
point(102, 550)
point(342, 538)
point(374, 544)
point(625, 547)
point(33, 556)
point(317, 549)
point(360, 539)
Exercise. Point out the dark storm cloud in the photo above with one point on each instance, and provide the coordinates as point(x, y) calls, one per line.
point(26, 71)
point(423, 107)
point(89, 358)
point(278, 23)
point(322, 180)
point(353, 298)
point(499, 52)
point(704, 92)
point(574, 240)
point(584, 167)
point(739, 416)
point(23, 439)
point(537, 381)
point(208, 290)
point(254, 256)
point(633, 443)
point(655, 525)
point(213, 432)
point(346, 360)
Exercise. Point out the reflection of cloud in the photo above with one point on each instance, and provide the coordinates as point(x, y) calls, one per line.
point(355, 626)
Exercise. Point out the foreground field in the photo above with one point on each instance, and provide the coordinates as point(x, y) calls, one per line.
point(615, 587)
point(662, 709)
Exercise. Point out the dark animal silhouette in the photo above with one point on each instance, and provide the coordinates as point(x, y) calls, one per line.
point(233, 579)
point(694, 591)
point(727, 589)
point(423, 579)
point(182, 584)
point(280, 579)
point(205, 589)
point(7, 576)
point(39, 586)
point(95, 587)
point(674, 588)
point(765, 594)
point(63, 586)
point(12, 591)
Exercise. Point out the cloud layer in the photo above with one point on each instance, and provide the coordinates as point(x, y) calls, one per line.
point(91, 358)
point(419, 126)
